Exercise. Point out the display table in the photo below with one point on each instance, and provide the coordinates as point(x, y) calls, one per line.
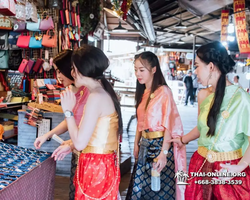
point(37, 184)
point(27, 135)
point(26, 174)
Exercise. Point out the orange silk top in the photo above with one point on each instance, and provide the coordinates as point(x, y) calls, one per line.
point(162, 114)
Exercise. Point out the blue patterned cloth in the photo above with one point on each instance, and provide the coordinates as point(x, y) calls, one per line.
point(140, 184)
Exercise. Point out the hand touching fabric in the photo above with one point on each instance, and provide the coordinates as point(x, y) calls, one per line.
point(39, 141)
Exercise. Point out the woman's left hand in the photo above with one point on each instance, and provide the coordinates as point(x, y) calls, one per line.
point(161, 163)
point(68, 100)
point(61, 152)
point(230, 168)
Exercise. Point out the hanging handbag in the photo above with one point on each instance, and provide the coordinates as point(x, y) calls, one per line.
point(7, 7)
point(23, 41)
point(32, 26)
point(31, 12)
point(49, 41)
point(4, 40)
point(4, 58)
point(38, 64)
point(19, 26)
point(66, 12)
point(23, 65)
point(5, 23)
point(47, 23)
point(13, 36)
point(15, 59)
point(36, 41)
point(29, 66)
point(20, 12)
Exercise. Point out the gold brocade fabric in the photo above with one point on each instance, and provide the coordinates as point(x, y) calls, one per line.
point(105, 136)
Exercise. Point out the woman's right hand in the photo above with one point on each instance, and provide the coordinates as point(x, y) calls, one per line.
point(39, 141)
point(136, 151)
point(177, 141)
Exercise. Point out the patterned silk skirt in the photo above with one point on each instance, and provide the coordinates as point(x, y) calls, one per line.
point(195, 191)
point(140, 184)
point(74, 160)
point(97, 177)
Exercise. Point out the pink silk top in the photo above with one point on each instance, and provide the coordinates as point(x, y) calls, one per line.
point(162, 114)
point(81, 99)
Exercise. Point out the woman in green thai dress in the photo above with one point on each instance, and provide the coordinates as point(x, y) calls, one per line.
point(223, 130)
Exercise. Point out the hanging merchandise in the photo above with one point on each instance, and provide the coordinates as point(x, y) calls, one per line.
point(31, 26)
point(4, 40)
point(7, 7)
point(23, 65)
point(46, 64)
point(38, 64)
point(20, 12)
point(31, 12)
point(47, 23)
point(36, 41)
point(23, 41)
point(19, 26)
point(49, 41)
point(29, 66)
point(2, 79)
point(13, 36)
point(4, 58)
point(15, 59)
point(55, 4)
point(5, 23)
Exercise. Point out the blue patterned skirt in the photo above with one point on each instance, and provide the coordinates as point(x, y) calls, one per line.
point(140, 184)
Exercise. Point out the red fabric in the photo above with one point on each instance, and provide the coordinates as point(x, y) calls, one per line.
point(194, 191)
point(97, 175)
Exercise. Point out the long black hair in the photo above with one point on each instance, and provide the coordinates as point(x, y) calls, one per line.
point(216, 53)
point(63, 63)
point(149, 60)
point(92, 62)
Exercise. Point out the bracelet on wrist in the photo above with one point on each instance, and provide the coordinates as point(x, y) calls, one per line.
point(182, 141)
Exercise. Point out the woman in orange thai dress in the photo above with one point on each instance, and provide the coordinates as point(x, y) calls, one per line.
point(97, 175)
point(158, 121)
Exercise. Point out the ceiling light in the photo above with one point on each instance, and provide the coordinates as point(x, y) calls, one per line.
point(119, 28)
point(197, 45)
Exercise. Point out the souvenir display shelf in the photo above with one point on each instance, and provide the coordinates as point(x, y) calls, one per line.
point(26, 174)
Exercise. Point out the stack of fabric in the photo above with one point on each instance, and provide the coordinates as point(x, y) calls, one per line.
point(53, 95)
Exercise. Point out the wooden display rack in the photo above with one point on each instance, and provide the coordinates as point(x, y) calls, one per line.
point(47, 106)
